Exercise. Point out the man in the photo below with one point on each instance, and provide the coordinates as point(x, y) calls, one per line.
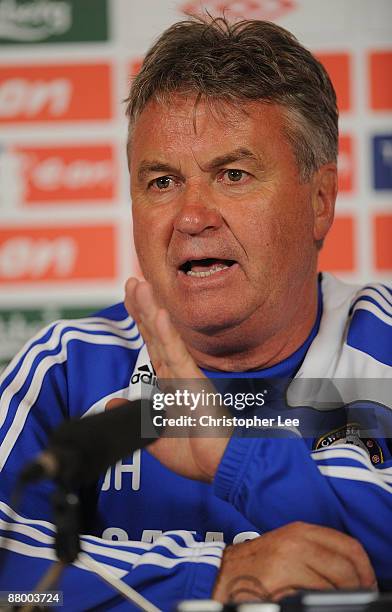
point(232, 154)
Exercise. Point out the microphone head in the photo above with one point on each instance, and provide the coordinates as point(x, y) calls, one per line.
point(87, 447)
point(80, 450)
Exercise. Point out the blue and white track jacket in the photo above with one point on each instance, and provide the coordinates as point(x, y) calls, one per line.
point(164, 534)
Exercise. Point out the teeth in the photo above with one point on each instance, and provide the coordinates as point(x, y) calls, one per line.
point(216, 268)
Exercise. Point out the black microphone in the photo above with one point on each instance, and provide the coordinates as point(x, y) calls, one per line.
point(82, 449)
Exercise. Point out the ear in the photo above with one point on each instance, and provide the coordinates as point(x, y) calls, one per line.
point(325, 187)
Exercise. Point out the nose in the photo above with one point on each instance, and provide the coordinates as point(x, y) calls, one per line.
point(195, 218)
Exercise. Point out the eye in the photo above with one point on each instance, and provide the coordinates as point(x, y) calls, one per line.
point(233, 175)
point(161, 183)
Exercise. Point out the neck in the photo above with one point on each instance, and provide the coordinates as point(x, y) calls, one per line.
point(255, 343)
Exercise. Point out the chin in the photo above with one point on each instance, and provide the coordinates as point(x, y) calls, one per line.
point(206, 321)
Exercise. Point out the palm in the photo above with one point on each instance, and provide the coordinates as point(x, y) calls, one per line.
point(193, 457)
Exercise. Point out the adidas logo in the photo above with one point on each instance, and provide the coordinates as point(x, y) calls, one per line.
point(145, 374)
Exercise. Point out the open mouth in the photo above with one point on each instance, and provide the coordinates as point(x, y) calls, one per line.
point(201, 268)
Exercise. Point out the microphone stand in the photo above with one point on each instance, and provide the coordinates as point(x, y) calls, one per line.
point(71, 457)
point(66, 508)
point(46, 583)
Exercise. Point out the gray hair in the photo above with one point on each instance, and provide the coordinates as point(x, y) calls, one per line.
point(238, 62)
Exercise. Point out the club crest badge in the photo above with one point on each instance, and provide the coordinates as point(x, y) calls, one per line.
point(350, 434)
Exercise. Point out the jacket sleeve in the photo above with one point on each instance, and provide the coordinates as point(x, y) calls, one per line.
point(34, 401)
point(173, 568)
point(274, 481)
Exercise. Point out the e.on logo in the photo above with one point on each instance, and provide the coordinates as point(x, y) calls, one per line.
point(54, 93)
point(69, 174)
point(57, 254)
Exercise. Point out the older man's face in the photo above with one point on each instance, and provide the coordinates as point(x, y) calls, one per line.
point(223, 227)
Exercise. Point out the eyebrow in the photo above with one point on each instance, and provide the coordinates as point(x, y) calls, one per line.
point(228, 158)
point(146, 167)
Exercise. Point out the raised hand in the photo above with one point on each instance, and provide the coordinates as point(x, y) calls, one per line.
point(193, 457)
point(168, 353)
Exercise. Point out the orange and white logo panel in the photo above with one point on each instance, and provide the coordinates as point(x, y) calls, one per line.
point(70, 174)
point(338, 66)
point(135, 66)
point(346, 164)
point(380, 67)
point(338, 252)
point(30, 254)
point(383, 242)
point(55, 92)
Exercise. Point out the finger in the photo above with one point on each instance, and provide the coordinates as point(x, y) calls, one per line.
point(132, 307)
point(336, 569)
point(173, 349)
point(346, 546)
point(312, 584)
point(304, 565)
point(131, 303)
point(285, 592)
point(164, 337)
point(158, 326)
point(148, 309)
point(168, 353)
point(129, 300)
point(146, 304)
point(136, 307)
